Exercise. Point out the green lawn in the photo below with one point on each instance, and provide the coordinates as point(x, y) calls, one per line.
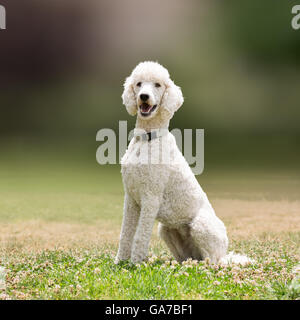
point(60, 223)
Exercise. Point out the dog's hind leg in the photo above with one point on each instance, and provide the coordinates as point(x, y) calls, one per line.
point(169, 236)
point(178, 241)
point(209, 236)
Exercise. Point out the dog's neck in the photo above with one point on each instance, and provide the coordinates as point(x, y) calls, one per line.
point(158, 122)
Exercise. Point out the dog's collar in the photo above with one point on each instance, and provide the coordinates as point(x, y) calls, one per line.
point(142, 135)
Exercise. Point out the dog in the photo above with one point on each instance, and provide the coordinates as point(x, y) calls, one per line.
point(166, 191)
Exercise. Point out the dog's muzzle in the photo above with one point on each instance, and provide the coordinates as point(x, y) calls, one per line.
point(146, 109)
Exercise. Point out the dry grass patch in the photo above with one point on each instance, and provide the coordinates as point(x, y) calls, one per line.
point(35, 235)
point(250, 219)
point(244, 220)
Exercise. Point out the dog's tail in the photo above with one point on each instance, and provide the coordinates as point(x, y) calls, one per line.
point(235, 258)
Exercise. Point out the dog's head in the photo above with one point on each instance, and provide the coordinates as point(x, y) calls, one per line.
point(149, 90)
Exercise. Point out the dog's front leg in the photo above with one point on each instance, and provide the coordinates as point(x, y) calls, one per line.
point(129, 224)
point(149, 210)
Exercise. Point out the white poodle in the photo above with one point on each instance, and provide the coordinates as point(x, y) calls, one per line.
point(158, 182)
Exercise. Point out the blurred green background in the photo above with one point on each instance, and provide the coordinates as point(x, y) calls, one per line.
point(63, 64)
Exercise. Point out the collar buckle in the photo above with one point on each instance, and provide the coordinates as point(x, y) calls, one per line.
point(148, 136)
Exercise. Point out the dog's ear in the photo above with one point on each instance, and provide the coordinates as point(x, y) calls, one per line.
point(128, 97)
point(172, 99)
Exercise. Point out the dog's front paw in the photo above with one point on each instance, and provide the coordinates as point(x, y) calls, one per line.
point(138, 259)
point(122, 255)
point(119, 259)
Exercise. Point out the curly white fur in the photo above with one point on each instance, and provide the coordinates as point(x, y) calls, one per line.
point(168, 192)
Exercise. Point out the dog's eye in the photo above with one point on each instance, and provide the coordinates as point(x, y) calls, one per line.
point(139, 84)
point(157, 85)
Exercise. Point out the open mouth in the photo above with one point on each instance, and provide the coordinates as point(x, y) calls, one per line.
point(147, 109)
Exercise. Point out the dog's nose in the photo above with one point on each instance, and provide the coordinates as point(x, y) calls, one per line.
point(144, 97)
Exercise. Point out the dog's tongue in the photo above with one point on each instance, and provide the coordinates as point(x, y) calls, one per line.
point(145, 107)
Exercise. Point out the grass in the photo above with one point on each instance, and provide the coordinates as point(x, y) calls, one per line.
point(91, 274)
point(60, 224)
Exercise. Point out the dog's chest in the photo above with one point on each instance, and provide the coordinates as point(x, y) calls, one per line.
point(145, 168)
point(141, 180)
